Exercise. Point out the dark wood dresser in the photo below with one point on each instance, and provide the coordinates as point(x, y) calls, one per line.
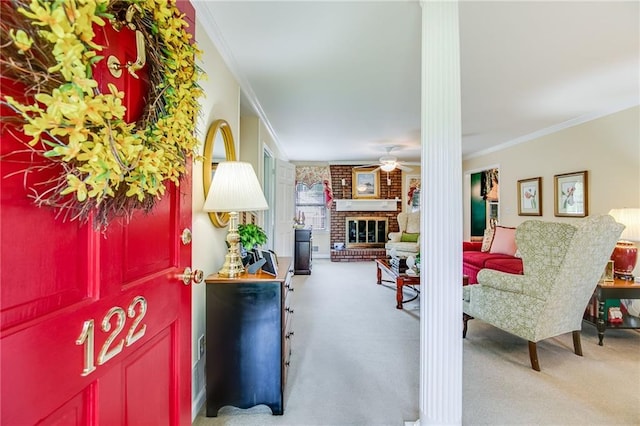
point(248, 339)
point(303, 251)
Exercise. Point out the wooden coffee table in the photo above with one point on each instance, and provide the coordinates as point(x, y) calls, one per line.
point(400, 279)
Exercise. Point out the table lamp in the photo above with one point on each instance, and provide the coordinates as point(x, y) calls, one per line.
point(234, 188)
point(625, 254)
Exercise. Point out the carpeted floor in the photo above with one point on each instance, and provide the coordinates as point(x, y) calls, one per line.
point(355, 361)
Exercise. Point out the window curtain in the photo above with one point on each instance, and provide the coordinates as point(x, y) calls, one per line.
point(311, 175)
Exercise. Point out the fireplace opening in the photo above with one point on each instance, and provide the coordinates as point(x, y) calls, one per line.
point(366, 232)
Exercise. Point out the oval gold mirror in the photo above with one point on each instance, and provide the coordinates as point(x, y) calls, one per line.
point(218, 147)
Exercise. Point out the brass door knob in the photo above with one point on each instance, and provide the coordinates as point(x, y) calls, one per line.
point(189, 275)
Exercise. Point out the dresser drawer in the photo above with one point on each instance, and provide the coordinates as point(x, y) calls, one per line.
point(286, 355)
point(287, 324)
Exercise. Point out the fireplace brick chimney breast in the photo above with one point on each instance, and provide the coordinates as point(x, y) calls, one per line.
point(338, 218)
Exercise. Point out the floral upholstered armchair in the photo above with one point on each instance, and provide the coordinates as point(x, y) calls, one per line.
point(406, 242)
point(562, 264)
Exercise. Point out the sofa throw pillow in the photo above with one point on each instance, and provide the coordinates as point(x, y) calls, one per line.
point(407, 237)
point(504, 241)
point(487, 239)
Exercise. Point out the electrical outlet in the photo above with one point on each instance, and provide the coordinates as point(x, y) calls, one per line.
point(201, 347)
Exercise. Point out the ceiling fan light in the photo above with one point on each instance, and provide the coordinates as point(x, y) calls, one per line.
point(387, 167)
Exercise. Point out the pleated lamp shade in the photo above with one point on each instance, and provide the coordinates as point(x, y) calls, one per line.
point(630, 218)
point(235, 188)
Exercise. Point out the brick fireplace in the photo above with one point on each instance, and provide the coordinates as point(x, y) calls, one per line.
point(339, 218)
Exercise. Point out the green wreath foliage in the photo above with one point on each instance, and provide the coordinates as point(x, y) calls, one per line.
point(107, 167)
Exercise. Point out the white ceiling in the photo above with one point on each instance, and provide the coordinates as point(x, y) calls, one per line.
point(340, 81)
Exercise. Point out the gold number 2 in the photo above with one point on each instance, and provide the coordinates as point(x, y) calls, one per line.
point(132, 335)
point(87, 335)
point(106, 354)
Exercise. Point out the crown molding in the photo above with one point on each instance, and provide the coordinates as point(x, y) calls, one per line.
point(552, 129)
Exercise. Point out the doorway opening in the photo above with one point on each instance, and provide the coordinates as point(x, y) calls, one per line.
point(269, 170)
point(484, 201)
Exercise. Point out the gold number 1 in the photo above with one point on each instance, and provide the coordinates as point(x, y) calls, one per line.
point(87, 336)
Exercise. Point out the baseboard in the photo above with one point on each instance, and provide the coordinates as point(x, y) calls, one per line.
point(198, 389)
point(197, 404)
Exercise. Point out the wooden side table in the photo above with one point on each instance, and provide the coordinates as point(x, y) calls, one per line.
point(618, 289)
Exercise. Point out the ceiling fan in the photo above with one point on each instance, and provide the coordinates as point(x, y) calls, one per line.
point(388, 163)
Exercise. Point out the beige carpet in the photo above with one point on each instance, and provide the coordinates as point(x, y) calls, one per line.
point(355, 361)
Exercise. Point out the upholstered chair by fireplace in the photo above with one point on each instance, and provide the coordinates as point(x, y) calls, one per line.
point(406, 242)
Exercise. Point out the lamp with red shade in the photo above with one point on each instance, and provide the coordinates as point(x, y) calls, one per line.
point(625, 254)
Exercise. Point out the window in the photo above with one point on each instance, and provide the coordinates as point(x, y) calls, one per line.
point(310, 203)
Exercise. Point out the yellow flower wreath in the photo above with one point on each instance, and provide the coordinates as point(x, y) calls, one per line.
point(107, 166)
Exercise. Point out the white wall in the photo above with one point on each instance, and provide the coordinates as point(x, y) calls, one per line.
point(221, 101)
point(608, 148)
point(255, 138)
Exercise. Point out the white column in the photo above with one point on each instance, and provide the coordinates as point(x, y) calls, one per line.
point(441, 300)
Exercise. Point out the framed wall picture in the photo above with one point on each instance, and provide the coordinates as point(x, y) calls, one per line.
point(412, 188)
point(571, 194)
point(366, 182)
point(530, 197)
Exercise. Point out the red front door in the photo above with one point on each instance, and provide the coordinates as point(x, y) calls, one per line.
point(95, 327)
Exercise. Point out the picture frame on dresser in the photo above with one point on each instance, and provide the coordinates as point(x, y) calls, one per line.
point(530, 197)
point(271, 262)
point(607, 275)
point(571, 194)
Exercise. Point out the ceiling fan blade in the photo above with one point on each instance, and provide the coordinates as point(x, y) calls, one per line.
point(404, 168)
point(364, 166)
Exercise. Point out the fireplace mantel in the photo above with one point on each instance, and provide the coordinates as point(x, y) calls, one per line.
point(367, 205)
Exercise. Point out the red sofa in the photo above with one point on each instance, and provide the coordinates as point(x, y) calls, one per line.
point(473, 259)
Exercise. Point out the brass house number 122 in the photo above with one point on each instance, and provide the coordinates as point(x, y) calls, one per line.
point(110, 348)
